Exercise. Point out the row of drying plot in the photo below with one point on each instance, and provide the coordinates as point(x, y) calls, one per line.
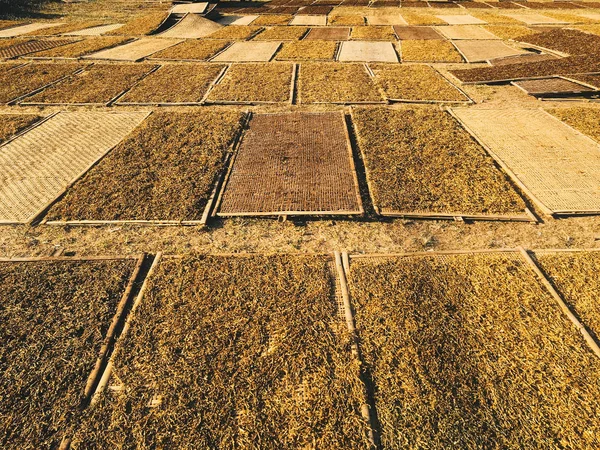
point(302, 351)
point(243, 83)
point(185, 167)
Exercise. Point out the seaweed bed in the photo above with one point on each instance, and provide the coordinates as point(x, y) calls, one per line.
point(166, 84)
point(244, 352)
point(420, 160)
point(252, 82)
point(55, 316)
point(336, 83)
point(470, 352)
point(575, 275)
point(11, 124)
point(165, 170)
point(99, 84)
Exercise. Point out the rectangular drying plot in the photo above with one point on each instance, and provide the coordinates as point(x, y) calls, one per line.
point(11, 124)
point(480, 51)
point(254, 83)
point(96, 31)
point(261, 338)
point(16, 82)
point(364, 51)
point(416, 33)
point(553, 87)
point(174, 84)
point(97, 85)
point(28, 47)
point(58, 321)
point(248, 52)
point(25, 29)
point(37, 167)
point(163, 173)
point(469, 351)
point(461, 19)
point(420, 163)
point(533, 18)
point(466, 32)
point(328, 34)
point(575, 276)
point(293, 163)
point(134, 51)
point(558, 167)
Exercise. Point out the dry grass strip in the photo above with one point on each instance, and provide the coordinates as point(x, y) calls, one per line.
point(11, 124)
point(415, 83)
point(235, 32)
point(575, 275)
point(429, 51)
point(562, 66)
point(281, 34)
point(416, 18)
point(81, 48)
point(509, 31)
point(191, 50)
point(371, 33)
point(174, 83)
point(572, 42)
point(99, 84)
point(141, 25)
point(244, 351)
point(346, 20)
point(421, 161)
point(585, 120)
point(495, 18)
point(55, 316)
point(470, 352)
point(254, 82)
point(65, 28)
point(307, 51)
point(293, 163)
point(272, 19)
point(336, 83)
point(165, 170)
point(22, 80)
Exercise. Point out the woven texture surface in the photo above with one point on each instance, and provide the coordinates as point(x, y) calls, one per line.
point(292, 162)
point(416, 33)
point(551, 86)
point(24, 29)
point(477, 50)
point(466, 32)
point(31, 47)
point(367, 51)
point(96, 31)
point(533, 18)
point(248, 51)
point(38, 165)
point(134, 50)
point(461, 19)
point(558, 165)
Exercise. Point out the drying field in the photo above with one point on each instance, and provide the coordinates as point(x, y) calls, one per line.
point(254, 354)
point(165, 85)
point(141, 25)
point(311, 50)
point(254, 83)
point(420, 161)
point(336, 83)
point(373, 33)
point(99, 84)
point(164, 171)
point(11, 124)
point(454, 367)
point(18, 81)
point(81, 48)
point(191, 50)
point(432, 50)
point(417, 83)
point(55, 317)
point(575, 275)
point(281, 34)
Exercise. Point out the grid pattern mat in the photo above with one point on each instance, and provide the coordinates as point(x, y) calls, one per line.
point(135, 50)
point(478, 51)
point(552, 86)
point(36, 167)
point(417, 33)
point(466, 32)
point(462, 19)
point(559, 166)
point(31, 47)
point(248, 52)
point(293, 163)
